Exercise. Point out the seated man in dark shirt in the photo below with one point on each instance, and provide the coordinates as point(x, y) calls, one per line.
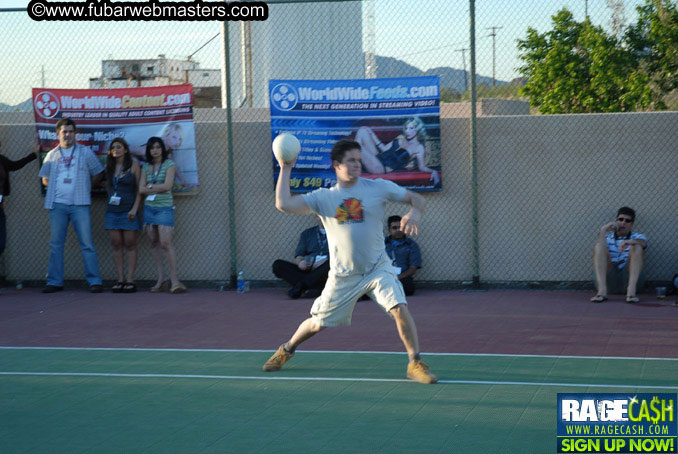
point(404, 253)
point(309, 272)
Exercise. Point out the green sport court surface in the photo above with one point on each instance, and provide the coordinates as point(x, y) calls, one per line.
point(72, 400)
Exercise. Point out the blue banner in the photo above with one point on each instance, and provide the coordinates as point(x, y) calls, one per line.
point(396, 122)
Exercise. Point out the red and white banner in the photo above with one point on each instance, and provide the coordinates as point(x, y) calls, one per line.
point(135, 114)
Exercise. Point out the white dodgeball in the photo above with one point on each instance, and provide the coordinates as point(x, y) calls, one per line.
point(286, 147)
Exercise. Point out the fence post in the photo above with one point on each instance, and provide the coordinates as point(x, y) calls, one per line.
point(226, 103)
point(474, 156)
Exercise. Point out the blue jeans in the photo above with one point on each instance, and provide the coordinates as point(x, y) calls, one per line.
point(80, 216)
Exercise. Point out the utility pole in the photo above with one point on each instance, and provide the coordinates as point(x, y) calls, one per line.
point(43, 76)
point(369, 39)
point(463, 58)
point(246, 51)
point(586, 9)
point(493, 35)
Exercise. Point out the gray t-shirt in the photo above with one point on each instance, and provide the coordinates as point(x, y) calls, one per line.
point(353, 219)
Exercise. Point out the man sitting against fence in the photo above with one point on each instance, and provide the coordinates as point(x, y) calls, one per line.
point(404, 253)
point(618, 258)
point(309, 272)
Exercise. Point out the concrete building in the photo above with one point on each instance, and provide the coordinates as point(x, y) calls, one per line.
point(162, 71)
point(297, 41)
point(153, 72)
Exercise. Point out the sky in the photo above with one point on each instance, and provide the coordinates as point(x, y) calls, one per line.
point(423, 33)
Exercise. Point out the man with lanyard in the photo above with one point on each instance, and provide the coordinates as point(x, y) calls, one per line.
point(618, 258)
point(404, 253)
point(68, 171)
point(309, 272)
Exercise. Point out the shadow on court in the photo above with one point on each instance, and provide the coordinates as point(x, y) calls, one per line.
point(499, 321)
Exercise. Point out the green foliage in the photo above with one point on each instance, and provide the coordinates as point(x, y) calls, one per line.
point(653, 40)
point(449, 95)
point(505, 91)
point(579, 68)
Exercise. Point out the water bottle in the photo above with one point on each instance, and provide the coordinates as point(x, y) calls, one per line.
point(241, 282)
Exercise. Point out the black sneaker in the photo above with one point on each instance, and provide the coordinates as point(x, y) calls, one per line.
point(296, 291)
point(52, 288)
point(313, 293)
point(96, 288)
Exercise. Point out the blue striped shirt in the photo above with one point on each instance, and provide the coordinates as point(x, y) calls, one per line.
point(88, 165)
point(619, 258)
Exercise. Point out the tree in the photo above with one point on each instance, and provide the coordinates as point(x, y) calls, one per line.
point(578, 68)
point(654, 42)
point(448, 94)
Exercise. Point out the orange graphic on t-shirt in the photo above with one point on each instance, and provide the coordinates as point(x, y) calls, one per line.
point(351, 210)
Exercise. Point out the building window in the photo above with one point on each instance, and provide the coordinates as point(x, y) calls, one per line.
point(150, 69)
point(135, 67)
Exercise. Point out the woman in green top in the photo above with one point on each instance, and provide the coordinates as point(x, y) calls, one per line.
point(157, 179)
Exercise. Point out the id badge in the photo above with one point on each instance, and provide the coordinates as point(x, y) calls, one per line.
point(151, 197)
point(397, 269)
point(114, 200)
point(68, 180)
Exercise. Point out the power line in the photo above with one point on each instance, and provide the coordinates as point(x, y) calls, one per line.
point(431, 49)
point(200, 48)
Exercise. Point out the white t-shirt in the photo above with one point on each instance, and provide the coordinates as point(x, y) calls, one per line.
point(353, 218)
point(67, 169)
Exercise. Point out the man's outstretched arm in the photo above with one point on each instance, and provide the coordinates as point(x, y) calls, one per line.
point(409, 224)
point(284, 200)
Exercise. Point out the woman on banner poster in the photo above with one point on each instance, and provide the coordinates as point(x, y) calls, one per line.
point(177, 140)
point(408, 147)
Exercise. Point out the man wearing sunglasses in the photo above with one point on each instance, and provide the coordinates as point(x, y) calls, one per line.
point(618, 258)
point(404, 253)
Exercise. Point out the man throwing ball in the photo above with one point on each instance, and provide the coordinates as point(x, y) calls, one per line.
point(352, 213)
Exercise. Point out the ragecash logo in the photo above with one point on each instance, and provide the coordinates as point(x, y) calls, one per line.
point(615, 422)
point(284, 96)
point(46, 104)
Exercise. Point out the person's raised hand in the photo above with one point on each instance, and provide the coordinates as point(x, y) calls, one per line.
point(409, 224)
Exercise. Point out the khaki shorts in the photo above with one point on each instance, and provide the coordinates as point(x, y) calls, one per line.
point(334, 306)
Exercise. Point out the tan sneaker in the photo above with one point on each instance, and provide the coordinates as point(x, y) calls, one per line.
point(419, 371)
point(275, 362)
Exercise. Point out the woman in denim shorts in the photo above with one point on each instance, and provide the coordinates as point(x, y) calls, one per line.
point(157, 179)
point(122, 222)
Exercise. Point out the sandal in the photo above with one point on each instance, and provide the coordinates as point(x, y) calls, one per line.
point(179, 288)
point(162, 288)
point(599, 299)
point(117, 288)
point(129, 287)
point(632, 299)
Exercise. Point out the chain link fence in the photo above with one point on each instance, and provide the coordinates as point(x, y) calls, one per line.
point(545, 183)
